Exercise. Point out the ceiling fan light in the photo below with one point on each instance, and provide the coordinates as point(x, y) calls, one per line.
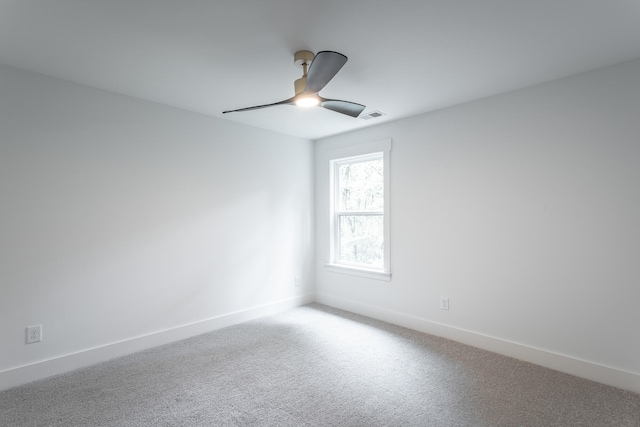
point(307, 101)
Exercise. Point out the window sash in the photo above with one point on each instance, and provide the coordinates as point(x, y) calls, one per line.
point(338, 259)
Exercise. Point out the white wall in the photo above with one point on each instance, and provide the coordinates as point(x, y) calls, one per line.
point(523, 209)
point(121, 218)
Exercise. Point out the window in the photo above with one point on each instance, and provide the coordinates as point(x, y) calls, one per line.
point(359, 223)
point(359, 211)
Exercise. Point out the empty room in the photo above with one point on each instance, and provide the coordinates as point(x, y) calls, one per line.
point(319, 213)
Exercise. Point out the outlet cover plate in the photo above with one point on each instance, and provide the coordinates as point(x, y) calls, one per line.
point(444, 303)
point(34, 334)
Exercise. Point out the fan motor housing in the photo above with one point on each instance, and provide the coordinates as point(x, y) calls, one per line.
point(300, 85)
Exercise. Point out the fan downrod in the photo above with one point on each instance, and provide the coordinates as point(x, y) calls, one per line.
point(302, 59)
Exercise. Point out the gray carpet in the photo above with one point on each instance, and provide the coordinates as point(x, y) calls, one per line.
point(317, 366)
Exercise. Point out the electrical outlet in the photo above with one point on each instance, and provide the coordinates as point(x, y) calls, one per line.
point(34, 333)
point(297, 281)
point(444, 303)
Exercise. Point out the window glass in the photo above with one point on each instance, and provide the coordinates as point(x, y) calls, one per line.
point(361, 186)
point(362, 240)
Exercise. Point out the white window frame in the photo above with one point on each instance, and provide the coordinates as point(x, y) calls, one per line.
point(356, 153)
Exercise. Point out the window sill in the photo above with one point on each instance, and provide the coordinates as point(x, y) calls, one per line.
point(361, 272)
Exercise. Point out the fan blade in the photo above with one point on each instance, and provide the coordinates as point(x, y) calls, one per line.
point(323, 68)
point(345, 107)
point(257, 107)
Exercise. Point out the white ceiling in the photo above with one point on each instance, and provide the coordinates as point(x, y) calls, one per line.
point(405, 56)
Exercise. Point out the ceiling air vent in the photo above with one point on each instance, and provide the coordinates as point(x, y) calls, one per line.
point(372, 115)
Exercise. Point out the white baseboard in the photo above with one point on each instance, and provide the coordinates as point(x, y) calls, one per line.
point(46, 368)
point(559, 362)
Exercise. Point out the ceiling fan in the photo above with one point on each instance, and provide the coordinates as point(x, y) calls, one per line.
point(317, 71)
